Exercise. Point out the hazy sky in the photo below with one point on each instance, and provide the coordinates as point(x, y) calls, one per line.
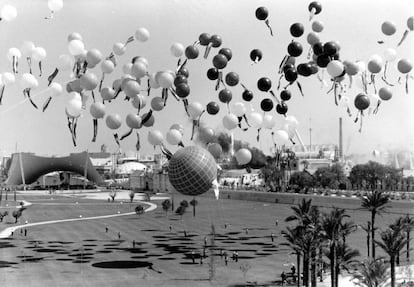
point(355, 24)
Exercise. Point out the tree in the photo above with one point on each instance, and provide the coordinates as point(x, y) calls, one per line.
point(139, 209)
point(345, 259)
point(180, 211)
point(392, 242)
point(272, 174)
point(166, 204)
point(17, 214)
point(184, 203)
point(194, 202)
point(293, 237)
point(330, 177)
point(3, 214)
point(301, 180)
point(371, 273)
point(408, 226)
point(375, 202)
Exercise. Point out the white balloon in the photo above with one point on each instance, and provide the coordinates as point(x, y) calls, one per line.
point(28, 81)
point(238, 108)
point(76, 47)
point(155, 137)
point(142, 60)
point(39, 54)
point(165, 79)
point(8, 78)
point(74, 96)
point(292, 121)
point(13, 52)
point(74, 108)
point(65, 62)
point(153, 83)
point(177, 49)
point(8, 13)
point(55, 5)
point(138, 69)
point(269, 121)
point(27, 48)
point(119, 49)
point(55, 89)
point(335, 68)
point(107, 66)
point(142, 34)
point(74, 36)
point(255, 119)
point(139, 101)
point(362, 66)
point(230, 121)
point(174, 137)
point(194, 110)
point(390, 54)
point(107, 93)
point(281, 136)
point(126, 68)
point(243, 156)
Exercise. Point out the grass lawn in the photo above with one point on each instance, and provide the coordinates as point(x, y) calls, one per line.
point(82, 253)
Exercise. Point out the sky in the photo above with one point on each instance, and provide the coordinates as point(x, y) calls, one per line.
point(354, 24)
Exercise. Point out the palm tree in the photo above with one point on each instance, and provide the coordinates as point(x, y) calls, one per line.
point(393, 241)
point(346, 258)
point(166, 204)
point(194, 202)
point(301, 212)
point(293, 237)
point(408, 226)
point(371, 273)
point(375, 202)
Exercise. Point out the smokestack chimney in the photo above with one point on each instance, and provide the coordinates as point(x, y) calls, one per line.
point(340, 140)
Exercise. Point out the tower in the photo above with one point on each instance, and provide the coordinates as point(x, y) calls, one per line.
point(341, 155)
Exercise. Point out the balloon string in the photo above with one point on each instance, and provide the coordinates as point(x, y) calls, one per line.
point(95, 129)
point(350, 81)
point(377, 107)
point(360, 122)
point(126, 135)
point(182, 66)
point(129, 40)
point(406, 84)
point(40, 68)
point(29, 63)
point(174, 94)
point(2, 93)
point(348, 110)
point(300, 88)
point(138, 144)
point(388, 83)
point(14, 68)
point(403, 37)
point(336, 93)
point(52, 76)
point(268, 26)
point(309, 53)
point(282, 64)
point(181, 144)
point(117, 139)
point(101, 82)
point(147, 117)
point(276, 98)
point(280, 79)
point(247, 122)
point(364, 82)
point(185, 102)
point(165, 96)
point(26, 92)
point(71, 129)
point(75, 124)
point(385, 70)
point(148, 88)
point(193, 129)
point(258, 135)
point(219, 79)
point(93, 96)
point(312, 13)
point(373, 83)
point(207, 51)
point(46, 104)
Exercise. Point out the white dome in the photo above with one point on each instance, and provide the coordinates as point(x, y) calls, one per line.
point(129, 167)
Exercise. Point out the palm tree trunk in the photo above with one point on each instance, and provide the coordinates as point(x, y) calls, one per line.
point(373, 233)
point(408, 245)
point(298, 267)
point(313, 268)
point(333, 263)
point(336, 274)
point(306, 268)
point(392, 261)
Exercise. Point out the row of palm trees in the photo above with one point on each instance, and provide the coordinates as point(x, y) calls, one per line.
point(318, 235)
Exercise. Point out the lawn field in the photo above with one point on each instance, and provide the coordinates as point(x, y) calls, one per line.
point(154, 249)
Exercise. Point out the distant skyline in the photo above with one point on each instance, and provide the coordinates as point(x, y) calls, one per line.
point(356, 25)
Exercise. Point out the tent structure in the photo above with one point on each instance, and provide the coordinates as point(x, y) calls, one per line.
point(26, 168)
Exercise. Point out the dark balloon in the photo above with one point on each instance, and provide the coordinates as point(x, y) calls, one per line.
point(288, 66)
point(281, 108)
point(316, 7)
point(291, 75)
point(297, 30)
point(295, 49)
point(247, 95)
point(212, 74)
point(213, 108)
point(256, 55)
point(184, 72)
point(180, 79)
point(266, 105)
point(318, 49)
point(220, 61)
point(361, 101)
point(304, 69)
point(264, 84)
point(285, 95)
point(330, 48)
point(314, 68)
point(182, 90)
point(323, 60)
point(232, 79)
point(204, 39)
point(291, 60)
point(191, 52)
point(225, 96)
point(262, 13)
point(216, 41)
point(226, 52)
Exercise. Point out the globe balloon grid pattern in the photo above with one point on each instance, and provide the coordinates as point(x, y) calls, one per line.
point(192, 170)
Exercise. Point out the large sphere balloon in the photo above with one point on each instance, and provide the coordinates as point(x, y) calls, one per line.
point(74, 36)
point(155, 137)
point(295, 49)
point(113, 121)
point(262, 13)
point(178, 127)
point(404, 66)
point(264, 84)
point(139, 101)
point(191, 52)
point(55, 5)
point(269, 121)
point(232, 79)
point(157, 104)
point(256, 55)
point(255, 119)
point(247, 95)
point(107, 94)
point(191, 170)
point(28, 81)
point(182, 90)
point(27, 48)
point(361, 102)
point(8, 13)
point(266, 105)
point(93, 57)
point(174, 137)
point(74, 108)
point(119, 49)
point(212, 74)
point(410, 23)
point(315, 6)
point(150, 122)
point(226, 52)
point(390, 54)
point(243, 156)
point(225, 96)
point(215, 149)
point(281, 136)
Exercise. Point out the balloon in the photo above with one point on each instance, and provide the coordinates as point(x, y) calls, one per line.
point(297, 29)
point(212, 74)
point(74, 36)
point(191, 52)
point(388, 28)
point(351, 68)
point(174, 137)
point(195, 109)
point(192, 170)
point(113, 121)
point(126, 68)
point(225, 96)
point(74, 96)
point(8, 78)
point(76, 47)
point(291, 75)
point(262, 13)
point(269, 121)
point(55, 89)
point(256, 55)
point(183, 72)
point(89, 81)
point(232, 79)
point(153, 83)
point(215, 149)
point(13, 53)
point(239, 109)
point(255, 119)
point(385, 93)
point(180, 79)
point(65, 62)
point(73, 108)
point(264, 84)
point(205, 134)
point(404, 66)
point(204, 39)
point(226, 52)
point(316, 7)
point(133, 121)
point(220, 61)
point(317, 26)
point(150, 121)
point(216, 41)
point(375, 64)
point(182, 90)
point(177, 49)
point(295, 49)
point(165, 79)
point(119, 49)
point(130, 88)
point(93, 57)
point(39, 54)
point(28, 81)
point(139, 70)
point(157, 103)
point(281, 108)
point(323, 60)
point(8, 13)
point(304, 69)
point(27, 48)
point(281, 136)
point(285, 95)
point(361, 102)
point(74, 86)
point(155, 137)
point(330, 48)
point(361, 66)
point(247, 95)
point(312, 38)
point(142, 34)
point(230, 121)
point(107, 94)
point(178, 127)
point(291, 121)
point(55, 5)
point(139, 102)
point(266, 105)
point(410, 23)
point(344, 102)
point(243, 156)
point(97, 110)
point(390, 55)
point(213, 108)
point(335, 68)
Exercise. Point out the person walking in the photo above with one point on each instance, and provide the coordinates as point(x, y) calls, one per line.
point(119, 235)
point(193, 256)
point(272, 236)
point(226, 258)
